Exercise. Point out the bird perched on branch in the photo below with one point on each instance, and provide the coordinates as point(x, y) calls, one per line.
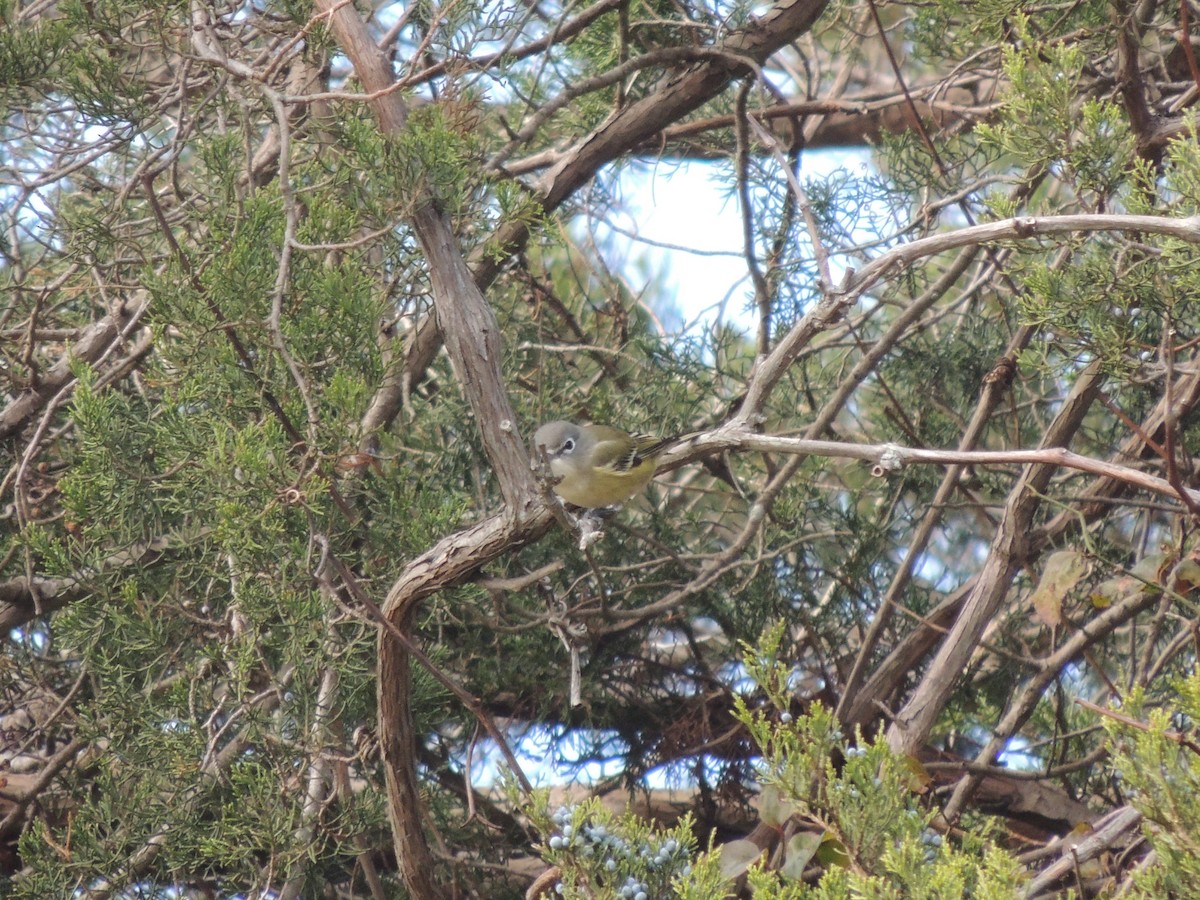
point(597, 465)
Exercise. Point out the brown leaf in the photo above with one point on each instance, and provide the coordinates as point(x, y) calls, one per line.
point(800, 850)
point(1063, 571)
point(738, 856)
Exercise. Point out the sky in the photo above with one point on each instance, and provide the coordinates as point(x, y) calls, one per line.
point(671, 207)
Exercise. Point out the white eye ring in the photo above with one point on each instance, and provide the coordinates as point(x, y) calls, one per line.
point(568, 445)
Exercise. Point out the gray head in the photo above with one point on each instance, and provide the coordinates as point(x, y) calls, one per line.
point(560, 439)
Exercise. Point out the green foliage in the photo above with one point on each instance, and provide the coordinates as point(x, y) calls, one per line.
point(850, 809)
point(861, 799)
point(1040, 117)
point(1158, 767)
point(602, 856)
point(1181, 180)
point(28, 53)
point(437, 153)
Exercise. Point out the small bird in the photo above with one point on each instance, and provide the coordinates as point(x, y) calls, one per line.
point(597, 465)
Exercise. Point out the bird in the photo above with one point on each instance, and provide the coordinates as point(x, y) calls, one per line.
point(598, 465)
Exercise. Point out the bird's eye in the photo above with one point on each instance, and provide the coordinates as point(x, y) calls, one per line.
point(568, 445)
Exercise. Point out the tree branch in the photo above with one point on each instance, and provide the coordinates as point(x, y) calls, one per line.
point(911, 727)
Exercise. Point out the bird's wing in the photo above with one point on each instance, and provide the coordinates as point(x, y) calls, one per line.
point(641, 448)
point(617, 454)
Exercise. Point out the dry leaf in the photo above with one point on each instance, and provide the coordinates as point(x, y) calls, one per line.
point(1063, 571)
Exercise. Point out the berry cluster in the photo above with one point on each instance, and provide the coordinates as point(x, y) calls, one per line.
point(607, 854)
point(932, 842)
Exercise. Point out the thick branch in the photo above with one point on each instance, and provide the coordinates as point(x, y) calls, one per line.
point(451, 561)
point(892, 457)
point(1114, 829)
point(472, 337)
point(911, 727)
point(466, 321)
point(93, 344)
point(1090, 505)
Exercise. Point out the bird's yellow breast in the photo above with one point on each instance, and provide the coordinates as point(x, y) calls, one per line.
point(600, 487)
